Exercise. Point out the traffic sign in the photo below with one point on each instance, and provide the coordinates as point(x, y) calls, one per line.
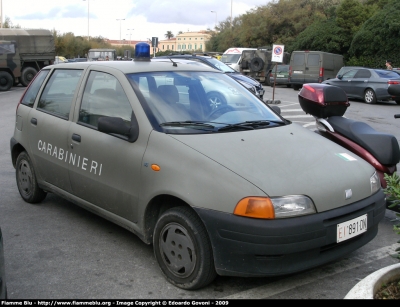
point(277, 53)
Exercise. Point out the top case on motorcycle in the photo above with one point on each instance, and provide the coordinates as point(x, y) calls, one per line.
point(384, 147)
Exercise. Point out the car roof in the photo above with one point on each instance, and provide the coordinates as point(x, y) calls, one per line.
point(127, 67)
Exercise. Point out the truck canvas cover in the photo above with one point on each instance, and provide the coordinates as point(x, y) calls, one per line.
point(30, 43)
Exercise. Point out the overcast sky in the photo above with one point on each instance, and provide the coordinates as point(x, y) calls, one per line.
point(147, 18)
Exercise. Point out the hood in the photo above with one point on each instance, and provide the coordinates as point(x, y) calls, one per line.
point(289, 160)
point(244, 78)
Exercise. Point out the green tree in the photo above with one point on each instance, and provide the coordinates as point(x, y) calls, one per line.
point(8, 23)
point(378, 39)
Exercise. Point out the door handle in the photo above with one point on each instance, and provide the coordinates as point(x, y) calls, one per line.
point(76, 137)
point(34, 121)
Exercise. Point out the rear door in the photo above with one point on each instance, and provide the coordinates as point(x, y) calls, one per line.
point(298, 66)
point(49, 127)
point(312, 68)
point(360, 82)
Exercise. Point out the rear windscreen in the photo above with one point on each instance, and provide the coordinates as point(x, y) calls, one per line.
point(298, 59)
point(313, 60)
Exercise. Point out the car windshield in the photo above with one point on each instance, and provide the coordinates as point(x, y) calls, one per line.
point(200, 102)
point(387, 74)
point(230, 58)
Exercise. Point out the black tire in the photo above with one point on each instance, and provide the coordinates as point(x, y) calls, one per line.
point(27, 75)
point(256, 64)
point(288, 85)
point(183, 249)
point(369, 96)
point(296, 87)
point(6, 81)
point(397, 101)
point(26, 180)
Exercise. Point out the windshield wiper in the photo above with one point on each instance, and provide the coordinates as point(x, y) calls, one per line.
point(188, 123)
point(250, 125)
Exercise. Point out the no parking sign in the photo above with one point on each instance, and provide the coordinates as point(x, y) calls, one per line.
point(277, 53)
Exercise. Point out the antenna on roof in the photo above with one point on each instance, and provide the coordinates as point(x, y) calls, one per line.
point(173, 63)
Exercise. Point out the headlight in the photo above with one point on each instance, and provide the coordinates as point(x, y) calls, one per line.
point(375, 183)
point(275, 207)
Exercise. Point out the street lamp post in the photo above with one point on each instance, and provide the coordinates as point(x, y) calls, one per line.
point(87, 18)
point(130, 33)
point(120, 29)
point(216, 18)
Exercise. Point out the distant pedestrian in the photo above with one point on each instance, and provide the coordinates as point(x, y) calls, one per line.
point(389, 65)
point(107, 58)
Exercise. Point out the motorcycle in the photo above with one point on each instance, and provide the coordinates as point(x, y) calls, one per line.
point(328, 103)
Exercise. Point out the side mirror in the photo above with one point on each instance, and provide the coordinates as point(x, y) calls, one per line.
point(339, 77)
point(276, 109)
point(118, 126)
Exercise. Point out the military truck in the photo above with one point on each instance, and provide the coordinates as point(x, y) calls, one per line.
point(22, 54)
point(101, 55)
point(257, 63)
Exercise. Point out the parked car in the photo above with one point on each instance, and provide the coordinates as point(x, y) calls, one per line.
point(280, 75)
point(77, 60)
point(3, 286)
point(214, 190)
point(60, 59)
point(217, 64)
point(368, 84)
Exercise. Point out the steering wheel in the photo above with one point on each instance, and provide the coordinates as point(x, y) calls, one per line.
point(219, 111)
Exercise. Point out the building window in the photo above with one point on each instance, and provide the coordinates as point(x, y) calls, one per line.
point(172, 47)
point(195, 47)
point(179, 47)
point(167, 47)
point(201, 47)
point(163, 47)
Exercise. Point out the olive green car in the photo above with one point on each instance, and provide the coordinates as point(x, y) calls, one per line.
point(231, 190)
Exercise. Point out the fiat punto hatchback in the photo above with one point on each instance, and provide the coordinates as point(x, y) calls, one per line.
point(231, 189)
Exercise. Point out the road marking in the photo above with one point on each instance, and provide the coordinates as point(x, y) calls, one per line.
point(293, 110)
point(289, 283)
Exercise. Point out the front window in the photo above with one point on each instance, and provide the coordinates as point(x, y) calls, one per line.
point(200, 102)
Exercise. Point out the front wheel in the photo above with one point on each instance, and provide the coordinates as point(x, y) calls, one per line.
point(26, 180)
point(369, 96)
point(183, 249)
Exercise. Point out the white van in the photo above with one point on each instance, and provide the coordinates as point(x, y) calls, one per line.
point(233, 57)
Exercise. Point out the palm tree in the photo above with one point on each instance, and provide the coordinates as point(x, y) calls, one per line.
point(169, 35)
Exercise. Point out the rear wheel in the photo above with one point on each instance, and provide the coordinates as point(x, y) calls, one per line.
point(28, 73)
point(6, 81)
point(369, 96)
point(26, 180)
point(183, 249)
point(296, 87)
point(397, 101)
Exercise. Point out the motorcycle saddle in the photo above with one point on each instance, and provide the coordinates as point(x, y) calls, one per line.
point(384, 147)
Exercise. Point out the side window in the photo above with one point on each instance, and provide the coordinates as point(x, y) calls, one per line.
point(363, 73)
point(350, 74)
point(104, 96)
point(31, 93)
point(59, 91)
point(313, 60)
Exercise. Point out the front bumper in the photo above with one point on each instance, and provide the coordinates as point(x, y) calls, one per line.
point(254, 247)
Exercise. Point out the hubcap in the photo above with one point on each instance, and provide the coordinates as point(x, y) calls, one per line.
point(177, 250)
point(25, 177)
point(369, 96)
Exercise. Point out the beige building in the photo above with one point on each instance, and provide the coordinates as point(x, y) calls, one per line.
point(184, 42)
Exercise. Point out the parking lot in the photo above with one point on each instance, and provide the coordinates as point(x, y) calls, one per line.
point(57, 250)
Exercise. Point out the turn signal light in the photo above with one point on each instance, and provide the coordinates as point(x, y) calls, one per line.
point(255, 207)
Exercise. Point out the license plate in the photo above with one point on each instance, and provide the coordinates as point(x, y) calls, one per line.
point(352, 228)
point(280, 76)
point(298, 72)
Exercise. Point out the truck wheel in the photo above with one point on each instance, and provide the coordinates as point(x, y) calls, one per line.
point(256, 64)
point(27, 75)
point(183, 249)
point(26, 180)
point(6, 81)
